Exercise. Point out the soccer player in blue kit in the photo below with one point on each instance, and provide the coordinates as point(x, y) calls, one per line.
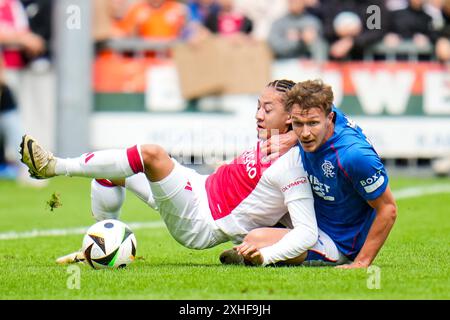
point(353, 202)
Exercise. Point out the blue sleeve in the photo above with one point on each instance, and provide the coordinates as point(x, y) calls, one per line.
point(366, 171)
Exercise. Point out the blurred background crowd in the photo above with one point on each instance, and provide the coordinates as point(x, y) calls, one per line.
point(320, 30)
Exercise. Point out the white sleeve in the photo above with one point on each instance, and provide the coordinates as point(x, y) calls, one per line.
point(302, 237)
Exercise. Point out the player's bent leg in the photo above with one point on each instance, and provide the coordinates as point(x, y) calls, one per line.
point(106, 199)
point(113, 163)
point(183, 205)
point(157, 163)
point(260, 238)
point(139, 185)
point(264, 237)
point(325, 253)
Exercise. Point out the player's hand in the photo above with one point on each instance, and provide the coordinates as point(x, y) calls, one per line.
point(277, 145)
point(354, 265)
point(250, 253)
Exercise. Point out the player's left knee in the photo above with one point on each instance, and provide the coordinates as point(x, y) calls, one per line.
point(152, 153)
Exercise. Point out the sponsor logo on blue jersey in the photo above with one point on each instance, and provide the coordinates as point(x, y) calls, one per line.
point(321, 189)
point(373, 182)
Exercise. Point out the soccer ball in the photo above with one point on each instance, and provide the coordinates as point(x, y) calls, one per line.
point(109, 244)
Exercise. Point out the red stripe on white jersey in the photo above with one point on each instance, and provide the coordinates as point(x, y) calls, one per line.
point(89, 156)
point(232, 183)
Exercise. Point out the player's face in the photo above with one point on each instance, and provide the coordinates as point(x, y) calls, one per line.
point(312, 127)
point(271, 118)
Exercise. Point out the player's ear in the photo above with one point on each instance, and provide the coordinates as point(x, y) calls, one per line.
point(330, 116)
point(289, 120)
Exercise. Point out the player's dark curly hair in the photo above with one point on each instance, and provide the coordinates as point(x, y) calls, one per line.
point(282, 86)
point(310, 94)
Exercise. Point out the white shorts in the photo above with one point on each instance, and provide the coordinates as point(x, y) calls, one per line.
point(325, 252)
point(183, 204)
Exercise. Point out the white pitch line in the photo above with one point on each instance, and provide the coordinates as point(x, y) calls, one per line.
point(421, 191)
point(11, 235)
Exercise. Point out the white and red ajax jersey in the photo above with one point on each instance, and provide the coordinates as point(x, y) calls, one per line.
point(247, 193)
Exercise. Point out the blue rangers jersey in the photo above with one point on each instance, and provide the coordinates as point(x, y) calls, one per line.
point(345, 173)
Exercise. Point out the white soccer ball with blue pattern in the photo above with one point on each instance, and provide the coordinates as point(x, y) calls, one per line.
point(109, 244)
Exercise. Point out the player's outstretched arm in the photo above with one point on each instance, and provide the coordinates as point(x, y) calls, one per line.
point(386, 214)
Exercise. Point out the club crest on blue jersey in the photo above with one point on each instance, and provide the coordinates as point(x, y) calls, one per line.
point(328, 169)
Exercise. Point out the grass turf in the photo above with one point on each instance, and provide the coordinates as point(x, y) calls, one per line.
point(413, 264)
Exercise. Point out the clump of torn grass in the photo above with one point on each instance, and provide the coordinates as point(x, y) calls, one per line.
point(54, 202)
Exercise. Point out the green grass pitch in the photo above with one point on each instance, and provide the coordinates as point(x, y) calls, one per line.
point(413, 264)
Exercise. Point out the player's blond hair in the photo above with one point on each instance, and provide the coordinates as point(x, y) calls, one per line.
point(310, 94)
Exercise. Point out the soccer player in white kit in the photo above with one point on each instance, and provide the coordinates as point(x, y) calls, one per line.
point(203, 211)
